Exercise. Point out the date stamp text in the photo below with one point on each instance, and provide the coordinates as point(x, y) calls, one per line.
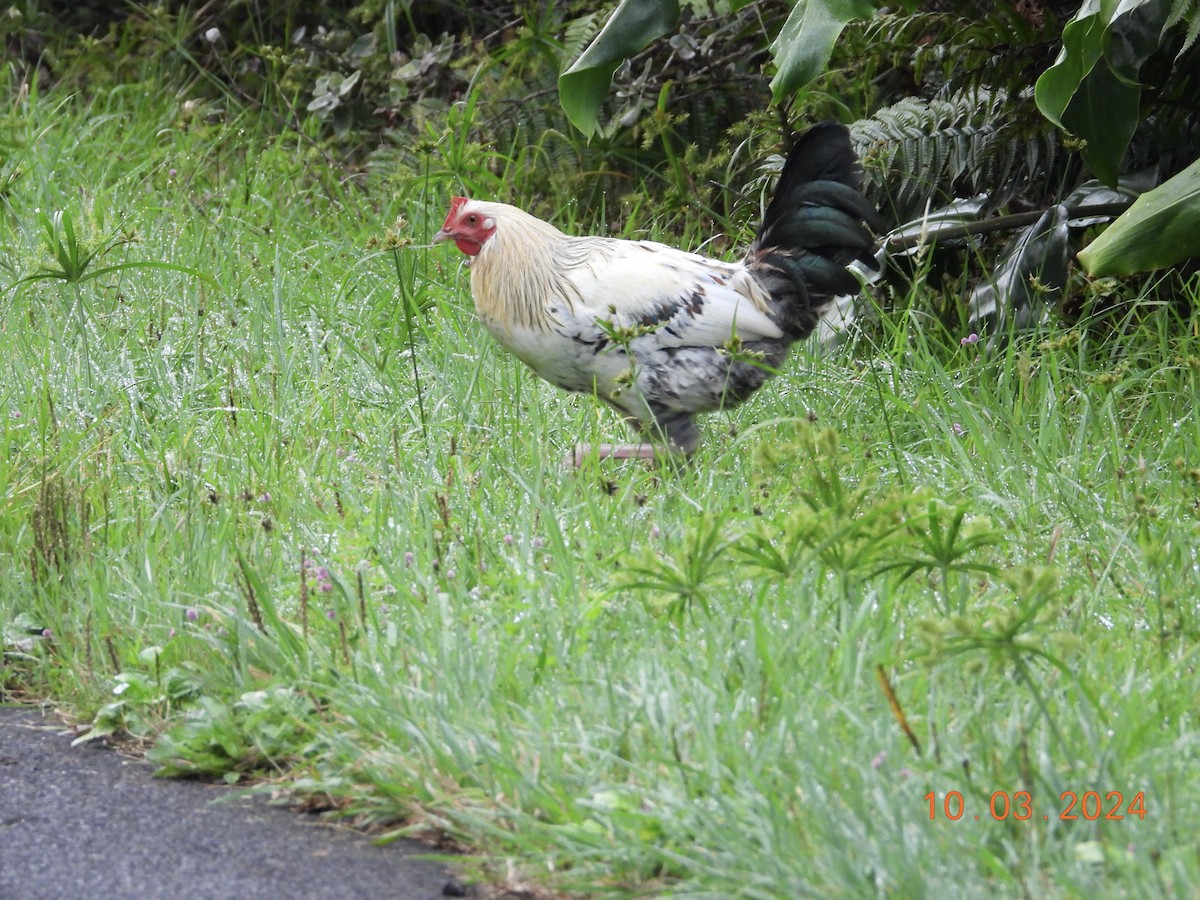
point(1072, 806)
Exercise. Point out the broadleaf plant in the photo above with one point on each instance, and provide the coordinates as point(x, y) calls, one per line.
point(1160, 229)
point(1092, 90)
point(804, 46)
point(633, 25)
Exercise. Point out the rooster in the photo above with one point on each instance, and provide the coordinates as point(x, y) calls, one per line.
point(659, 333)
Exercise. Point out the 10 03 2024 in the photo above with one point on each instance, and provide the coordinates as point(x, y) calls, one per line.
point(1089, 806)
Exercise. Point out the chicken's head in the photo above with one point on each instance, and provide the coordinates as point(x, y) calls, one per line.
point(467, 225)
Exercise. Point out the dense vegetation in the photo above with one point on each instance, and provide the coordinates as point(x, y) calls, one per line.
point(274, 504)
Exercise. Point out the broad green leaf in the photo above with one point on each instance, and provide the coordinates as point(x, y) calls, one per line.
point(806, 42)
point(1135, 32)
point(1082, 47)
point(1105, 112)
point(1161, 229)
point(1092, 89)
point(584, 85)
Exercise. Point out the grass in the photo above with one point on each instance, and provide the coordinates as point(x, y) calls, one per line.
point(233, 525)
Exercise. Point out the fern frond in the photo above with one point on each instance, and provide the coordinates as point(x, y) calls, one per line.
point(1188, 10)
point(578, 34)
point(920, 154)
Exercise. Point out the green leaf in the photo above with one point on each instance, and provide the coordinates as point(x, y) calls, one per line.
point(109, 719)
point(806, 42)
point(1092, 89)
point(634, 24)
point(1105, 112)
point(1082, 47)
point(1161, 229)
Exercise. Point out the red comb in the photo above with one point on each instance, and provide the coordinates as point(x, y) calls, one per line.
point(456, 204)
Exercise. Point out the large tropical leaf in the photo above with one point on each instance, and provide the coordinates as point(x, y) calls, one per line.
point(1092, 89)
point(801, 50)
point(584, 85)
point(1162, 228)
point(806, 42)
point(1031, 275)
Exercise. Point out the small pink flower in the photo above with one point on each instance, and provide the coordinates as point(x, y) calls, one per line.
point(191, 614)
point(47, 634)
point(330, 615)
point(957, 429)
point(879, 760)
point(508, 540)
point(971, 338)
point(409, 558)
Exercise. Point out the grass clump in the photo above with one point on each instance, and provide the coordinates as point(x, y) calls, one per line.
point(233, 525)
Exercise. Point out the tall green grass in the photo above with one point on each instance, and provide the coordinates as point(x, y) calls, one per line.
point(231, 523)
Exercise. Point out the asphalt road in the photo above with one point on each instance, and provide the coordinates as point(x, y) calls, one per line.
point(87, 822)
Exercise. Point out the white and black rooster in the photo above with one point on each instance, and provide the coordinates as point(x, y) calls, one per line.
point(659, 333)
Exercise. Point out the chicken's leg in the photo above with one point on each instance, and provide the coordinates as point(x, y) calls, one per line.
point(609, 451)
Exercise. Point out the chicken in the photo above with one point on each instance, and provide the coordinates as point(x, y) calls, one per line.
point(659, 333)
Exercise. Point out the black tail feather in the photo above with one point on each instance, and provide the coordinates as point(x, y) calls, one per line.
point(818, 221)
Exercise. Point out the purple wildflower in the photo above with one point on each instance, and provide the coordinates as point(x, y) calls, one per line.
point(957, 429)
point(409, 558)
point(330, 615)
point(879, 759)
point(191, 614)
point(508, 540)
point(971, 338)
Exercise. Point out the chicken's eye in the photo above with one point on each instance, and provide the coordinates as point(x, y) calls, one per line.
point(472, 219)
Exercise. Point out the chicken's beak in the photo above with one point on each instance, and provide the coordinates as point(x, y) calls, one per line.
point(442, 235)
